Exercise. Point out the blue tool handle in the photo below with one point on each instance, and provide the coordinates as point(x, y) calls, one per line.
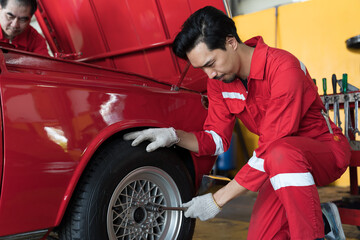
point(334, 81)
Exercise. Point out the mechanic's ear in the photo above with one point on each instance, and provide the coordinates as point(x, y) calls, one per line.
point(232, 42)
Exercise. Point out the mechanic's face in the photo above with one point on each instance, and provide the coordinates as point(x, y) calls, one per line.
point(14, 18)
point(218, 63)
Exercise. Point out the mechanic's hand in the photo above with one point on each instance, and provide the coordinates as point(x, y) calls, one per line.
point(159, 137)
point(203, 207)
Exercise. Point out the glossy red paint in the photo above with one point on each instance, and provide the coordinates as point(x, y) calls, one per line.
point(56, 113)
point(127, 35)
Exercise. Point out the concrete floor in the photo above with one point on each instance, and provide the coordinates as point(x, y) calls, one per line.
point(233, 221)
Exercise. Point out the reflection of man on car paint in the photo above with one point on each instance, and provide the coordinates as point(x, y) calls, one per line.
point(272, 93)
point(15, 17)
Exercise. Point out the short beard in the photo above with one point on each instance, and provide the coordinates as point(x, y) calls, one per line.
point(230, 79)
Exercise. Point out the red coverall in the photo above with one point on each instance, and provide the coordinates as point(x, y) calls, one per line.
point(29, 40)
point(295, 151)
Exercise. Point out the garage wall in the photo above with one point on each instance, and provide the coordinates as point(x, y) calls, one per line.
point(315, 31)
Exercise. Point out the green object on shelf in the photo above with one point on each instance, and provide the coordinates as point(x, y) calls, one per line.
point(324, 85)
point(345, 82)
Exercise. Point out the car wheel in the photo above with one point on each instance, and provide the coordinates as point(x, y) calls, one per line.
point(120, 192)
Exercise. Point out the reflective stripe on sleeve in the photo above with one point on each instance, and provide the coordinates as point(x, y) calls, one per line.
point(233, 95)
point(303, 67)
point(257, 163)
point(292, 180)
point(218, 142)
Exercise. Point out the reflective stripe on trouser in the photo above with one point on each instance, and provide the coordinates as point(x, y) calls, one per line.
point(288, 202)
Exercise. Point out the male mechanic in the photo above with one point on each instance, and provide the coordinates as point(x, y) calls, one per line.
point(15, 17)
point(272, 93)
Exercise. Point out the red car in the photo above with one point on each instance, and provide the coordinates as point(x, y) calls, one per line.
point(65, 166)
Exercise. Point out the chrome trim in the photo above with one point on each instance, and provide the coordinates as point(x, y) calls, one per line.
point(36, 235)
point(227, 8)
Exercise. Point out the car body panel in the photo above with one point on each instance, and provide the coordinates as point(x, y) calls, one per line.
point(56, 114)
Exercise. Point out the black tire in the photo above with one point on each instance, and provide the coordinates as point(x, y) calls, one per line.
point(98, 211)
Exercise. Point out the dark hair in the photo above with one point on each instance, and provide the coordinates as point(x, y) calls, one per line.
point(31, 3)
point(208, 25)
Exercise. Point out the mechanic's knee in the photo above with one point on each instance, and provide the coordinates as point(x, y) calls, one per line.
point(279, 157)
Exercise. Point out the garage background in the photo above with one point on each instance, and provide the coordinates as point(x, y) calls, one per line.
point(315, 31)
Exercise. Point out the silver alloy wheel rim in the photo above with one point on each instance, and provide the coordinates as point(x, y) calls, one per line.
point(129, 216)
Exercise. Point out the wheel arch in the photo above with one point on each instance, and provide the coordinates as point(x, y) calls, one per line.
point(104, 137)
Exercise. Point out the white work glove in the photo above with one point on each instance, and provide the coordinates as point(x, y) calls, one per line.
point(159, 137)
point(203, 207)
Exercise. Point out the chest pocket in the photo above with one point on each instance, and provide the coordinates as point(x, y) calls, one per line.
point(235, 102)
point(246, 111)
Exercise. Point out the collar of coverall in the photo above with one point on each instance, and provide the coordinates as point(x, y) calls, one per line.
point(258, 59)
point(19, 40)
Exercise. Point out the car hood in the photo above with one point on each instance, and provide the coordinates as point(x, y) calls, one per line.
point(127, 35)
